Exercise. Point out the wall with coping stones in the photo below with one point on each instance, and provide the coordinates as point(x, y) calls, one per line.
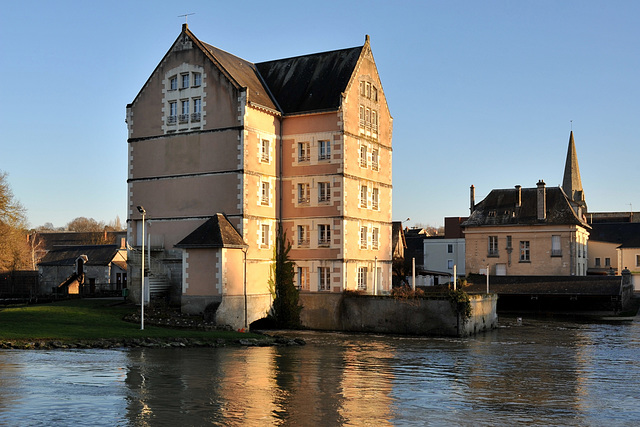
point(383, 314)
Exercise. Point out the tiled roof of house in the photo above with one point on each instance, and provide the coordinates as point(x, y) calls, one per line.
point(300, 84)
point(216, 232)
point(500, 208)
point(627, 234)
point(96, 254)
point(245, 74)
point(310, 82)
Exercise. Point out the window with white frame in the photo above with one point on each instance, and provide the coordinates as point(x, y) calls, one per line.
point(363, 196)
point(375, 198)
point(264, 235)
point(303, 278)
point(185, 80)
point(304, 153)
point(324, 235)
point(173, 83)
point(197, 110)
point(493, 246)
point(265, 195)
point(556, 249)
point(173, 113)
point(374, 93)
point(184, 115)
point(324, 278)
point(363, 237)
point(197, 79)
point(374, 159)
point(362, 121)
point(525, 251)
point(449, 248)
point(375, 237)
point(304, 190)
point(324, 192)
point(265, 151)
point(363, 156)
point(303, 235)
point(324, 150)
point(362, 278)
point(449, 264)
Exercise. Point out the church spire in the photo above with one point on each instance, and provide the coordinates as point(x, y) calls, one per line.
point(571, 183)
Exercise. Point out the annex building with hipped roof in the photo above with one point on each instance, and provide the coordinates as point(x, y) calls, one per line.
point(216, 142)
point(530, 231)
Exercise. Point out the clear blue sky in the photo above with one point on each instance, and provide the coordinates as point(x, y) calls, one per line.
point(481, 93)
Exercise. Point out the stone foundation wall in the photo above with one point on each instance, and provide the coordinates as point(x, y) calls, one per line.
point(383, 314)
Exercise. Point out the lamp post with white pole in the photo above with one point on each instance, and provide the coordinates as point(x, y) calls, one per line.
point(143, 212)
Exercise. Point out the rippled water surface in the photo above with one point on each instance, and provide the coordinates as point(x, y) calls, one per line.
point(539, 372)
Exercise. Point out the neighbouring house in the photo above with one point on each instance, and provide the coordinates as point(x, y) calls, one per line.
point(613, 247)
point(442, 253)
point(302, 144)
point(42, 242)
point(85, 270)
point(530, 231)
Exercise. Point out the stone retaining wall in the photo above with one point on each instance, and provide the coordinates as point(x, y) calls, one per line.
point(384, 314)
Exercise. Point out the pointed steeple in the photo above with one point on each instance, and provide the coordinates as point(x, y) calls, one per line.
point(571, 182)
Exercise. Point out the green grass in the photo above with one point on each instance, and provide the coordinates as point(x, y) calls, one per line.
point(87, 319)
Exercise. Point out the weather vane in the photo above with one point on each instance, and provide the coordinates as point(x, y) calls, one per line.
point(185, 16)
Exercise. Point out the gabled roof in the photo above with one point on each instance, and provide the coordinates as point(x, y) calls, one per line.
point(499, 208)
point(245, 74)
point(96, 254)
point(216, 232)
point(310, 82)
point(290, 86)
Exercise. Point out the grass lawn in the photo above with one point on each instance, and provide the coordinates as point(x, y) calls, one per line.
point(89, 319)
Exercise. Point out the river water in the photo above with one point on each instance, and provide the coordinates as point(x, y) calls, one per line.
point(534, 372)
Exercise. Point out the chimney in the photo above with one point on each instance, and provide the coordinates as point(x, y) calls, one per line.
point(518, 196)
point(542, 201)
point(472, 199)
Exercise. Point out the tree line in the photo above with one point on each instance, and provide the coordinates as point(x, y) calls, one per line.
point(18, 242)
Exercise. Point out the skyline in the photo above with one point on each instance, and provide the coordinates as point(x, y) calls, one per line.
point(482, 95)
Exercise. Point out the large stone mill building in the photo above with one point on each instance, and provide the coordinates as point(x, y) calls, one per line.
point(223, 151)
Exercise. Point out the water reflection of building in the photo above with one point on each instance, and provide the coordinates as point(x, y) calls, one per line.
point(292, 385)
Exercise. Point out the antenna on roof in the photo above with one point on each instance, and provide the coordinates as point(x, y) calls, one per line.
point(185, 16)
point(571, 121)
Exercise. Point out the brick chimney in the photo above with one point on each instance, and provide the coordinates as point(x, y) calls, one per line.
point(518, 196)
point(542, 200)
point(472, 197)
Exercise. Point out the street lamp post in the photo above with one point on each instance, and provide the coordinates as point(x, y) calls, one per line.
point(143, 212)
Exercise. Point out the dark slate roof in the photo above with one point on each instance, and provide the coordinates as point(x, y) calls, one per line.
point(310, 82)
point(548, 285)
point(499, 208)
point(216, 232)
point(245, 74)
point(627, 234)
point(58, 239)
point(96, 254)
